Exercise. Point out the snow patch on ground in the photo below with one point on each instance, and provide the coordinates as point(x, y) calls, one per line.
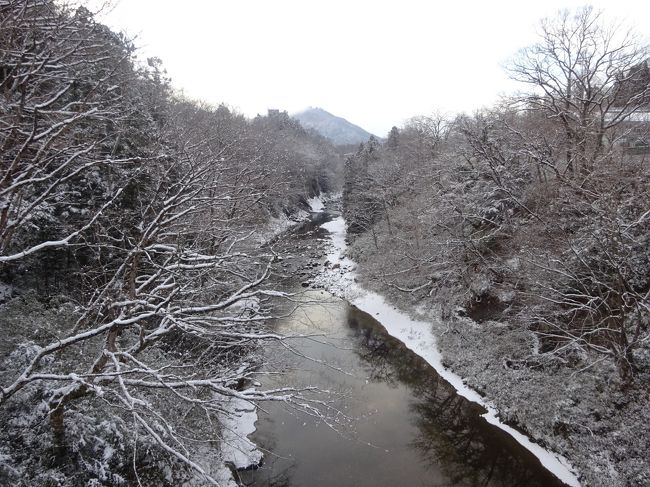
point(315, 204)
point(237, 422)
point(336, 255)
point(418, 336)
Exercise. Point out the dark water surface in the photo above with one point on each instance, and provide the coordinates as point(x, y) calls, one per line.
point(402, 425)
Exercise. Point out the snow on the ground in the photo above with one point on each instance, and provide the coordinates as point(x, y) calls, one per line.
point(237, 422)
point(418, 336)
point(337, 231)
point(315, 204)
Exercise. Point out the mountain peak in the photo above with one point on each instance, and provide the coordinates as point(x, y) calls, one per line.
point(336, 129)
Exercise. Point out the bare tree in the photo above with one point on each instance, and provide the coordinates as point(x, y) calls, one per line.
point(154, 204)
point(62, 107)
point(584, 287)
point(578, 71)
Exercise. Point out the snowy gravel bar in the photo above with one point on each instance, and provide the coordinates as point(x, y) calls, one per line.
point(418, 336)
point(315, 204)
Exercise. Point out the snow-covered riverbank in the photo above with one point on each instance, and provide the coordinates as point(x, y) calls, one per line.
point(278, 226)
point(237, 451)
point(339, 278)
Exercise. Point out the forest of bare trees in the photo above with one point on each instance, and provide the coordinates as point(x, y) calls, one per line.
point(537, 209)
point(529, 222)
point(525, 228)
point(130, 227)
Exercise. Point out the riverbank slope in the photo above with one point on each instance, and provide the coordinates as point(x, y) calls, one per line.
point(578, 414)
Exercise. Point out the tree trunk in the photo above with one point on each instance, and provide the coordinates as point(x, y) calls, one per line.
point(57, 425)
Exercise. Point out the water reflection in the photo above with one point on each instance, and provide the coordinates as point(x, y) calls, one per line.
point(451, 433)
point(409, 428)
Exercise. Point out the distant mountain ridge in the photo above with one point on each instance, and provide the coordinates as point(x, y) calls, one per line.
point(336, 129)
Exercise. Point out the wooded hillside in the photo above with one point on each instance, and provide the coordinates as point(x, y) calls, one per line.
point(134, 281)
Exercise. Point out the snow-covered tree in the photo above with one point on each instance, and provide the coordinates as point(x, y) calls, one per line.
point(147, 209)
point(579, 72)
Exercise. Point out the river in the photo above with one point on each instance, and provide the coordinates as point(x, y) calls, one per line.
point(393, 420)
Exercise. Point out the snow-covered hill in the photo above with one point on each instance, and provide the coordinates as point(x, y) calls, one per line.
point(334, 128)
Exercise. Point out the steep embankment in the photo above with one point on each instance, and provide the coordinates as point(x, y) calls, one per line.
point(579, 412)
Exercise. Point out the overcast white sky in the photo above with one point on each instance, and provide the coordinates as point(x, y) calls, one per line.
point(375, 63)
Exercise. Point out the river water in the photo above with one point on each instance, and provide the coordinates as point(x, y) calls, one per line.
point(393, 420)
